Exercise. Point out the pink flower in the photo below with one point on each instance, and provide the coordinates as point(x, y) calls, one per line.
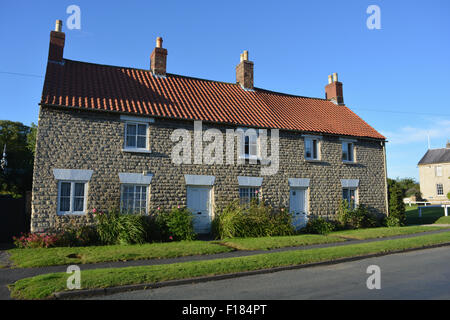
point(159, 208)
point(256, 191)
point(171, 238)
point(94, 210)
point(178, 206)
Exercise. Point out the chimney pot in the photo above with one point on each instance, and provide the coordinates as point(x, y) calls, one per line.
point(58, 26)
point(330, 79)
point(245, 55)
point(335, 77)
point(159, 42)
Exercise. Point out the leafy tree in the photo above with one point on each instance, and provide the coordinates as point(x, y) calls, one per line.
point(17, 177)
point(31, 138)
point(396, 205)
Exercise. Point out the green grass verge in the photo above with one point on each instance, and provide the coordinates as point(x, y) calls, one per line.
point(267, 243)
point(443, 220)
point(429, 215)
point(362, 234)
point(43, 286)
point(41, 257)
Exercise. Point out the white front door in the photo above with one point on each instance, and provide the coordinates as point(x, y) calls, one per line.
point(199, 203)
point(297, 207)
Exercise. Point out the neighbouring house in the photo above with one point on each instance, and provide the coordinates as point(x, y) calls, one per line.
point(434, 174)
point(107, 137)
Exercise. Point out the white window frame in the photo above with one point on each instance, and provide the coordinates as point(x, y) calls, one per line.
point(312, 139)
point(439, 187)
point(72, 197)
point(355, 194)
point(438, 171)
point(136, 149)
point(352, 153)
point(253, 139)
point(147, 192)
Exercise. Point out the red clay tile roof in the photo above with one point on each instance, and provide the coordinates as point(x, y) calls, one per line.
point(136, 91)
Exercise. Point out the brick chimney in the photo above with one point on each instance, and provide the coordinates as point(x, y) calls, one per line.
point(57, 40)
point(158, 58)
point(333, 90)
point(244, 72)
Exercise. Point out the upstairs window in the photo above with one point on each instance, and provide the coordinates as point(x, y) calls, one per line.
point(312, 148)
point(136, 136)
point(438, 171)
point(72, 197)
point(348, 151)
point(250, 144)
point(440, 189)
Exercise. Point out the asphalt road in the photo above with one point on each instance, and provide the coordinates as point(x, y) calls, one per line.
point(421, 274)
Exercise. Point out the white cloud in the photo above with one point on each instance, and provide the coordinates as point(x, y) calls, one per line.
point(438, 129)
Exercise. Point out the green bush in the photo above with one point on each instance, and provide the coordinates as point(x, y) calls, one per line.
point(391, 221)
point(360, 217)
point(396, 205)
point(254, 220)
point(175, 225)
point(448, 196)
point(319, 226)
point(116, 228)
point(78, 236)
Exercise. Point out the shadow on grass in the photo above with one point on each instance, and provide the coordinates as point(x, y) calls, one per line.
point(429, 215)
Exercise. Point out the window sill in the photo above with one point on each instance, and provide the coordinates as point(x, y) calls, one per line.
point(136, 150)
point(313, 160)
point(71, 213)
point(257, 160)
point(349, 162)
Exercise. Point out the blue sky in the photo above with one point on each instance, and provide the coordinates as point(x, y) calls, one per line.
point(396, 78)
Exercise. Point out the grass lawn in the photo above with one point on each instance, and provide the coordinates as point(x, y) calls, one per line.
point(361, 234)
point(43, 286)
point(429, 215)
point(268, 243)
point(41, 257)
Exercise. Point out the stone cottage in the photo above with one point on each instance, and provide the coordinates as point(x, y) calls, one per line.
point(140, 139)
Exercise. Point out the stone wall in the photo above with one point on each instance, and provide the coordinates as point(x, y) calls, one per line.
point(73, 139)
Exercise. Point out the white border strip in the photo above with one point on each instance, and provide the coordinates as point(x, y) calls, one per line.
point(135, 178)
point(199, 180)
point(72, 174)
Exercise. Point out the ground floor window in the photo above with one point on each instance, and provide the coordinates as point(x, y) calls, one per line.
point(247, 194)
point(349, 194)
point(133, 199)
point(440, 189)
point(72, 197)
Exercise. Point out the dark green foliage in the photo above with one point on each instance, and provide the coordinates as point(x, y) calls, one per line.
point(396, 205)
point(17, 177)
point(175, 225)
point(116, 228)
point(360, 217)
point(319, 226)
point(254, 220)
point(392, 221)
point(78, 237)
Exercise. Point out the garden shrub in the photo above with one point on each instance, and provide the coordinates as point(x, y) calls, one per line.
point(179, 224)
point(175, 225)
point(254, 220)
point(396, 204)
point(114, 227)
point(392, 221)
point(356, 218)
point(36, 240)
point(78, 236)
point(319, 226)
